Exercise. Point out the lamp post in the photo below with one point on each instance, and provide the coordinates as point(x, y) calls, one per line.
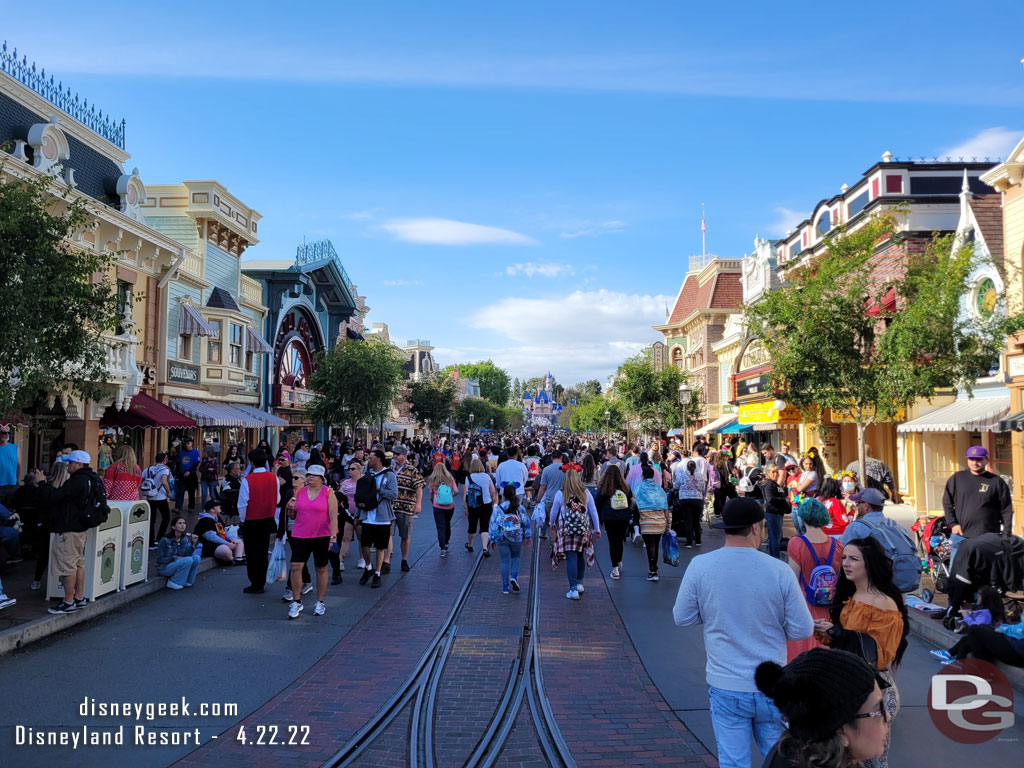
point(685, 393)
point(471, 417)
point(607, 424)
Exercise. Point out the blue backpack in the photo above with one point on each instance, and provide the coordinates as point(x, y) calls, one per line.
point(444, 495)
point(821, 587)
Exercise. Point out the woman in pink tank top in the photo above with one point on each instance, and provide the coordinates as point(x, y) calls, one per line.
point(315, 529)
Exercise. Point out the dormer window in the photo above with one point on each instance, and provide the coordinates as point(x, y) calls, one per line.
point(824, 223)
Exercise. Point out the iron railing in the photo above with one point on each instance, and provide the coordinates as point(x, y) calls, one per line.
point(54, 92)
point(319, 250)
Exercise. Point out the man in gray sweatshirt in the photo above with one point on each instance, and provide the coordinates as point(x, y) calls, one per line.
point(749, 603)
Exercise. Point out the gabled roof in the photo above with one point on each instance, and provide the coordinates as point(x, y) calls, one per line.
point(988, 213)
point(723, 291)
point(221, 299)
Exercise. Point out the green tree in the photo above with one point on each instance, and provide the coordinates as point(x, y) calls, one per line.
point(55, 315)
point(483, 411)
point(513, 418)
point(590, 417)
point(650, 398)
point(432, 401)
point(495, 384)
point(355, 383)
point(836, 343)
point(516, 396)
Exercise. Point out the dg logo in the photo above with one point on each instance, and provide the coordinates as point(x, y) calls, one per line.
point(970, 701)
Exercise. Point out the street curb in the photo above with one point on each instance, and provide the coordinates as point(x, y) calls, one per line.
point(18, 637)
point(932, 631)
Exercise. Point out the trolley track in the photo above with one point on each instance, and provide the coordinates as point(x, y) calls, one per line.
point(422, 690)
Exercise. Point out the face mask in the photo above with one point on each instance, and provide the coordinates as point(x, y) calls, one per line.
point(847, 487)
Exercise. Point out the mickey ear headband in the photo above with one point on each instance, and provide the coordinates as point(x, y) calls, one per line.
point(506, 482)
point(567, 467)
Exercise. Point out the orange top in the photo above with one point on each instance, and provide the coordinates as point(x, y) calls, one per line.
point(884, 625)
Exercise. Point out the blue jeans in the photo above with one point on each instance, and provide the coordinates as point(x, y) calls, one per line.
point(183, 570)
point(10, 540)
point(773, 524)
point(954, 545)
point(509, 551)
point(575, 565)
point(801, 529)
point(209, 490)
point(735, 716)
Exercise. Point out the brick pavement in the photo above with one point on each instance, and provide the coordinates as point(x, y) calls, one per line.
point(608, 709)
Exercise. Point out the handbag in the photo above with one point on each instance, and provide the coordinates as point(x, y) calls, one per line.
point(860, 643)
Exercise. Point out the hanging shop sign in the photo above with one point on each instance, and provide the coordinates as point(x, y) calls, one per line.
point(752, 385)
point(765, 412)
point(182, 373)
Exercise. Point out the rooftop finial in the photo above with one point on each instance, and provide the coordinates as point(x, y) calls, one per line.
point(886, 156)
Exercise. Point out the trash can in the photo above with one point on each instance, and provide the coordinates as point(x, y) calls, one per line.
point(104, 551)
point(134, 541)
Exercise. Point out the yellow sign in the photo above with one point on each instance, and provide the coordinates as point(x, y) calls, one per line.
point(765, 412)
point(869, 411)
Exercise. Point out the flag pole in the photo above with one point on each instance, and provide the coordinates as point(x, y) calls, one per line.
point(703, 234)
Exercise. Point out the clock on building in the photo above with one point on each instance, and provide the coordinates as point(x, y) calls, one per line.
point(985, 297)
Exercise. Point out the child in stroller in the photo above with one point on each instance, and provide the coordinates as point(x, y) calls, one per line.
point(933, 542)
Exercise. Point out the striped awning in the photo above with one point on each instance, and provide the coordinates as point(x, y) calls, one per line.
point(191, 323)
point(717, 424)
point(268, 419)
point(210, 414)
point(256, 343)
point(973, 415)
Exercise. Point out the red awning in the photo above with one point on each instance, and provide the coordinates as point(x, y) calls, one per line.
point(888, 304)
point(145, 412)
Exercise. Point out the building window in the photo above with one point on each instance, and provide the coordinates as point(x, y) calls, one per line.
point(249, 360)
point(856, 205)
point(825, 223)
point(124, 301)
point(893, 184)
point(213, 349)
point(236, 345)
point(185, 346)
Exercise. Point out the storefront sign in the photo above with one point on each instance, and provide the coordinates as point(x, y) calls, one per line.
point(1015, 366)
point(869, 411)
point(182, 373)
point(148, 374)
point(252, 384)
point(765, 412)
point(754, 385)
point(728, 409)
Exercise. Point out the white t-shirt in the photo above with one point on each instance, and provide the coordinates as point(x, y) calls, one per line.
point(511, 471)
point(484, 481)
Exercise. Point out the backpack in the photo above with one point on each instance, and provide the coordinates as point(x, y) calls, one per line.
point(474, 495)
point(149, 487)
point(505, 525)
point(456, 461)
point(906, 565)
point(619, 500)
point(444, 494)
point(575, 520)
point(820, 589)
point(367, 496)
point(96, 510)
point(532, 466)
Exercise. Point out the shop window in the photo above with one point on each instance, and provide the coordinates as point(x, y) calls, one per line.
point(213, 348)
point(235, 346)
point(249, 361)
point(185, 347)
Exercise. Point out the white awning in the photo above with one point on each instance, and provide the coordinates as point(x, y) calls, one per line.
point(191, 323)
point(979, 414)
point(717, 424)
point(211, 414)
point(268, 419)
point(256, 343)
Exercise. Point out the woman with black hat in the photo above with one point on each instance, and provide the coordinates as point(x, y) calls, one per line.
point(832, 705)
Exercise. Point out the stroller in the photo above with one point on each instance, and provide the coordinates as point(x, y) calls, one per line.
point(934, 544)
point(987, 560)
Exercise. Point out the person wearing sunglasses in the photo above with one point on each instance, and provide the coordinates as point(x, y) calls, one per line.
point(831, 703)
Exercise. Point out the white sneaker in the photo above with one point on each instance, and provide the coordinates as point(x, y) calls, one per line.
point(615, 573)
point(307, 588)
point(294, 610)
point(341, 565)
point(287, 597)
point(361, 565)
point(638, 540)
point(652, 577)
point(5, 601)
point(572, 594)
point(319, 609)
point(580, 589)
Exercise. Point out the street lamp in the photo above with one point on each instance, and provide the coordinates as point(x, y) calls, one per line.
point(685, 393)
point(607, 424)
point(492, 424)
point(471, 417)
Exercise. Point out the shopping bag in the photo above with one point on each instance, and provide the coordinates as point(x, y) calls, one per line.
point(232, 532)
point(277, 570)
point(670, 547)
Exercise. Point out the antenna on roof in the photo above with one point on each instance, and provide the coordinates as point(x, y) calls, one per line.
point(703, 234)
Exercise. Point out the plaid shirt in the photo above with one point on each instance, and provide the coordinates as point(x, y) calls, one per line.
point(409, 482)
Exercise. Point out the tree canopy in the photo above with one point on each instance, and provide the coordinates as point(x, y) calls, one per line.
point(355, 383)
point(55, 312)
point(495, 384)
point(650, 398)
point(483, 411)
point(432, 401)
point(589, 417)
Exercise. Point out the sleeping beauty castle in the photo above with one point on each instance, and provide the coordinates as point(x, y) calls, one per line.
point(541, 411)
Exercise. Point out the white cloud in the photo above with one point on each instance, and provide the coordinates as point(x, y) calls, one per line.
point(544, 269)
point(579, 336)
point(599, 228)
point(370, 213)
point(990, 143)
point(449, 232)
point(785, 220)
point(393, 283)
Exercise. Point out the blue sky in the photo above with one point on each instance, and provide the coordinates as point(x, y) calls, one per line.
point(523, 181)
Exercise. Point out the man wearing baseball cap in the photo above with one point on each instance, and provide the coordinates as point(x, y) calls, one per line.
point(749, 603)
point(976, 501)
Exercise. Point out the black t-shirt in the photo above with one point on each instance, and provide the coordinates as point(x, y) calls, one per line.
point(203, 526)
point(978, 503)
